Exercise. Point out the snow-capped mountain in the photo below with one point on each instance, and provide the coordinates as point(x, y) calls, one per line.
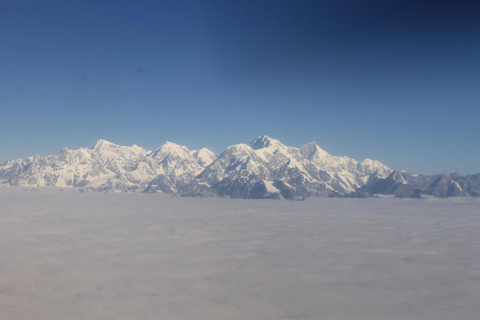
point(265, 168)
point(83, 167)
point(406, 185)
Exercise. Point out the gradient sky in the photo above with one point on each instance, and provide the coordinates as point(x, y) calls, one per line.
point(397, 81)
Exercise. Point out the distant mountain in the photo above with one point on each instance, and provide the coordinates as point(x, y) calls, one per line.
point(265, 169)
point(407, 185)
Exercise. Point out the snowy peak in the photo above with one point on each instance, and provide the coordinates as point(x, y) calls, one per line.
point(397, 177)
point(313, 152)
point(265, 142)
point(169, 148)
point(369, 167)
point(173, 160)
point(236, 152)
point(240, 148)
point(172, 147)
point(204, 157)
point(108, 149)
point(102, 144)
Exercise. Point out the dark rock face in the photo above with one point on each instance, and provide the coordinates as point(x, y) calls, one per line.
point(395, 184)
point(406, 191)
point(161, 183)
point(185, 186)
point(244, 188)
point(290, 193)
point(444, 187)
point(237, 189)
point(471, 184)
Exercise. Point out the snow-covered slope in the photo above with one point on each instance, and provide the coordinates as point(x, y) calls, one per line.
point(104, 167)
point(176, 167)
point(264, 169)
point(83, 167)
point(267, 168)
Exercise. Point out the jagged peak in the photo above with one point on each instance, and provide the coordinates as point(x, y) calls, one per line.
point(447, 174)
point(169, 147)
point(397, 176)
point(310, 149)
point(104, 146)
point(265, 142)
point(102, 143)
point(64, 151)
point(237, 150)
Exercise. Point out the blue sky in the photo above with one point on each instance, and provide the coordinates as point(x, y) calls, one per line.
point(397, 81)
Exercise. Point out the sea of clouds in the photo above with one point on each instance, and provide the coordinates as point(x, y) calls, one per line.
point(70, 255)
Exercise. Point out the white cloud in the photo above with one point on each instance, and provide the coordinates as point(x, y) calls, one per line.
point(67, 255)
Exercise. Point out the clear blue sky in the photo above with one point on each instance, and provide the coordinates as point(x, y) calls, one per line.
point(397, 81)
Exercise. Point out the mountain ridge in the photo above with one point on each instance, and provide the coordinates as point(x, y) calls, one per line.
point(263, 169)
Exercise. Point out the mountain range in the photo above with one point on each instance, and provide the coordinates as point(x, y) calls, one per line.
point(264, 169)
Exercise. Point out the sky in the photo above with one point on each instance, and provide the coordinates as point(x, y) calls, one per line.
point(396, 81)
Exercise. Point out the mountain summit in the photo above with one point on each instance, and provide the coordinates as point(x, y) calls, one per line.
point(264, 169)
point(265, 142)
